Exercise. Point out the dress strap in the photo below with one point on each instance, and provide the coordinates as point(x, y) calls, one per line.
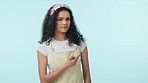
point(51, 48)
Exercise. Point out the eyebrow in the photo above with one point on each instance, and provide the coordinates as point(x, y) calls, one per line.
point(62, 17)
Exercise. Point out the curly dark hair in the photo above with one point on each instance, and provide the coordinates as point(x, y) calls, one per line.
point(48, 28)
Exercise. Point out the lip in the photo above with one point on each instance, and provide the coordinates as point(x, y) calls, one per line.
point(63, 27)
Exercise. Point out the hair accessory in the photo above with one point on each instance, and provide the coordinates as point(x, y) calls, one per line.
point(57, 6)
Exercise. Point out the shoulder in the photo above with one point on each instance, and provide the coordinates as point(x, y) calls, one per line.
point(42, 48)
point(82, 46)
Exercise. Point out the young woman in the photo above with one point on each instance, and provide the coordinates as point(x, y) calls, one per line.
point(62, 49)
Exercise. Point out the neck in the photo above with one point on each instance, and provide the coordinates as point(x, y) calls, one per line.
point(60, 36)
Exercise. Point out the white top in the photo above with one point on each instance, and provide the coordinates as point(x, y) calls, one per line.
point(58, 46)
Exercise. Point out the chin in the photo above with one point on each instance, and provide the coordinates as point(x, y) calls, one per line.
point(63, 31)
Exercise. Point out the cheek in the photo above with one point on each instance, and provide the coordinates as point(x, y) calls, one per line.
point(57, 26)
point(69, 23)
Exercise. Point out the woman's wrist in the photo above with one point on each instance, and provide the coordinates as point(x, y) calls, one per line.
point(65, 66)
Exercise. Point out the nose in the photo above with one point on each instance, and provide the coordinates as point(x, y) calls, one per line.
point(64, 21)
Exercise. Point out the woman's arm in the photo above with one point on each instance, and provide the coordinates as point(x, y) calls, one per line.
point(85, 66)
point(42, 67)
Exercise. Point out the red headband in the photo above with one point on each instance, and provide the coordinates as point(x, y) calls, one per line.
point(55, 7)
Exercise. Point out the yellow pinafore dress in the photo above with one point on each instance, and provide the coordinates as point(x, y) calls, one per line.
point(72, 74)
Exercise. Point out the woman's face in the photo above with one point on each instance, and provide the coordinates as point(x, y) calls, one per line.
point(63, 22)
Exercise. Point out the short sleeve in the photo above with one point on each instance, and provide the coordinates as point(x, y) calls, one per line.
point(43, 49)
point(82, 46)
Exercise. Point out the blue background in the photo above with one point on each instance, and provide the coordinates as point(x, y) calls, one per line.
point(116, 32)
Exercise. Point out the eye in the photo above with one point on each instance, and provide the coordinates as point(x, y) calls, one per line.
point(59, 19)
point(68, 18)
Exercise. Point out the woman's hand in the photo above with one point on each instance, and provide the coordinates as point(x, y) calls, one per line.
point(71, 61)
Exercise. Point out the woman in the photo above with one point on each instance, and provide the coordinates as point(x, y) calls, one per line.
point(62, 49)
